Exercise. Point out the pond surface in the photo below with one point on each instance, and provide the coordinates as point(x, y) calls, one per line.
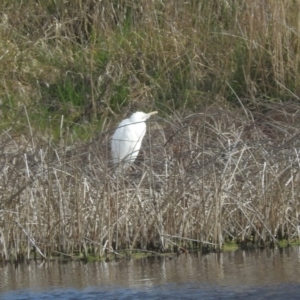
point(259, 274)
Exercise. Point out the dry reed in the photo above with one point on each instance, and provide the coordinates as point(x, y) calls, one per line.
point(227, 172)
point(200, 180)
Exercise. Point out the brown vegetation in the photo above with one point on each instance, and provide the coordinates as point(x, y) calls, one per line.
point(221, 160)
point(203, 178)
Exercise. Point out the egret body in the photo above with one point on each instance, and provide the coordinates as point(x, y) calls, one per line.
point(127, 139)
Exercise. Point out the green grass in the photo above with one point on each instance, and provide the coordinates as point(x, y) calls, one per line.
point(230, 246)
point(73, 58)
point(176, 53)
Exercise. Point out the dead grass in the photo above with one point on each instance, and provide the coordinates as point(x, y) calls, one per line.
point(200, 180)
point(89, 59)
point(223, 165)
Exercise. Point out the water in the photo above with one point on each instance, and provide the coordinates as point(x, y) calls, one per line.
point(259, 274)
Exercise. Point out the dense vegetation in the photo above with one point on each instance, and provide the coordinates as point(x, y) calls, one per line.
point(220, 163)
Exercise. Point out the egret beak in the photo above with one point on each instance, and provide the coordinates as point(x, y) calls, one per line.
point(152, 113)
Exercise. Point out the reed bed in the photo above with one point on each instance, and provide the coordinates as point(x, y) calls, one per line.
point(220, 162)
point(199, 181)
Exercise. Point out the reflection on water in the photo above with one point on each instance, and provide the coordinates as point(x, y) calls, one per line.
point(259, 273)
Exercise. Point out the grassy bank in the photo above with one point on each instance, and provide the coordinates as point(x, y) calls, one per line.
point(219, 163)
point(88, 60)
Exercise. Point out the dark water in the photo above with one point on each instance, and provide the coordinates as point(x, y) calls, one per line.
point(259, 274)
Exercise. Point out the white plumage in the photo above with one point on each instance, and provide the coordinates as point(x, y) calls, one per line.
point(127, 139)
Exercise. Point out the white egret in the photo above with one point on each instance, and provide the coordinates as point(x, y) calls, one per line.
point(127, 139)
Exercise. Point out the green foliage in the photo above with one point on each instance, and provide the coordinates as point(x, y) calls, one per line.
point(77, 59)
point(119, 95)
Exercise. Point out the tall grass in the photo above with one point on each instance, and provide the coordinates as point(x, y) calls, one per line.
point(201, 180)
point(89, 59)
point(223, 165)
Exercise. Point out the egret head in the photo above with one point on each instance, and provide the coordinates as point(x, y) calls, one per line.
point(140, 116)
